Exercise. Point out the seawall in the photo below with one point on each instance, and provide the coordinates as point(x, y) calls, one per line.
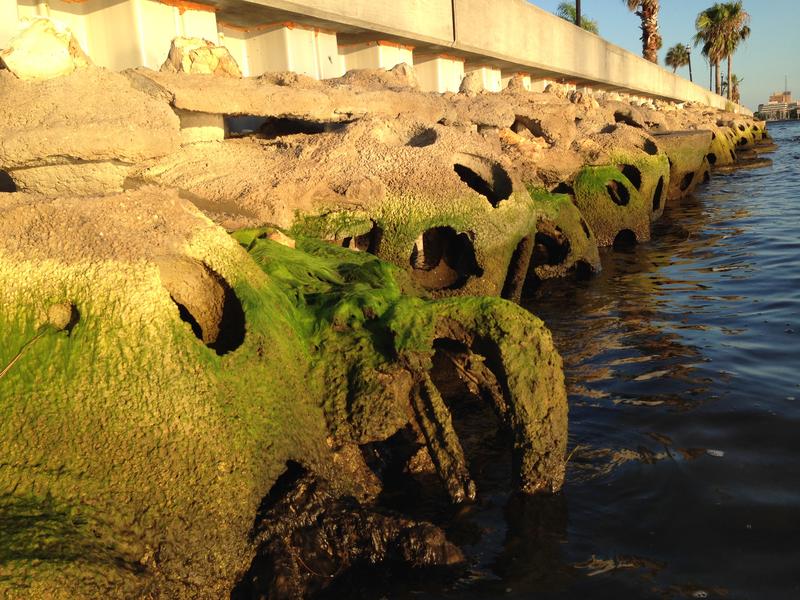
point(443, 39)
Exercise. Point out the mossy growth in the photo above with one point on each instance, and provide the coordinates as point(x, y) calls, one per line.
point(144, 419)
point(723, 146)
point(686, 151)
point(611, 202)
point(564, 241)
point(464, 236)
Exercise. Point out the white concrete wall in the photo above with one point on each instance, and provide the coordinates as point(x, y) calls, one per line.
point(525, 79)
point(439, 73)
point(511, 34)
point(375, 55)
point(118, 35)
point(491, 77)
point(425, 20)
point(284, 47)
point(518, 32)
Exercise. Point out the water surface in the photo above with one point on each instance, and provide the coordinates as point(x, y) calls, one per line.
point(683, 370)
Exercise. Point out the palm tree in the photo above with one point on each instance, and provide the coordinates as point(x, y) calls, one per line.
point(678, 56)
point(647, 11)
point(709, 25)
point(568, 12)
point(735, 30)
point(733, 89)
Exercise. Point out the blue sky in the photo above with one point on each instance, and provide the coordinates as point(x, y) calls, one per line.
point(772, 51)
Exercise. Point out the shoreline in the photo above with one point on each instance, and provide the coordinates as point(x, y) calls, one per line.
point(191, 410)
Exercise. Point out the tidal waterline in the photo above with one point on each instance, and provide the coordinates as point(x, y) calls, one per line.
point(683, 365)
point(683, 368)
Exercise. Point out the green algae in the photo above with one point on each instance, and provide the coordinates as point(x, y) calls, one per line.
point(136, 455)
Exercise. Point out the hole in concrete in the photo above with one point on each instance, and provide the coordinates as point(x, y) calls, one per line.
point(367, 242)
point(585, 228)
point(658, 194)
point(274, 127)
point(741, 127)
point(624, 240)
point(623, 116)
point(480, 411)
point(518, 269)
point(755, 127)
point(686, 181)
point(243, 125)
point(583, 270)
point(563, 188)
point(633, 174)
point(489, 180)
point(551, 246)
point(6, 183)
point(712, 158)
point(743, 142)
point(650, 147)
point(205, 302)
point(528, 127)
point(423, 137)
point(443, 259)
point(618, 193)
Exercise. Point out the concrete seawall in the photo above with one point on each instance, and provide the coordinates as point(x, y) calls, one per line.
point(444, 39)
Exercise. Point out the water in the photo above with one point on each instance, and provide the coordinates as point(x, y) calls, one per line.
point(683, 367)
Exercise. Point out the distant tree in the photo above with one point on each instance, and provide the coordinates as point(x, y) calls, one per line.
point(709, 26)
point(647, 11)
point(735, 29)
point(735, 95)
point(568, 12)
point(678, 56)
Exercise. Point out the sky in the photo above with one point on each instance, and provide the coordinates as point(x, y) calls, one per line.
point(771, 52)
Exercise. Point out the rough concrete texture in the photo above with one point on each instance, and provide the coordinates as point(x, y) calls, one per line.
point(686, 151)
point(433, 183)
point(43, 50)
point(62, 136)
point(160, 375)
point(200, 57)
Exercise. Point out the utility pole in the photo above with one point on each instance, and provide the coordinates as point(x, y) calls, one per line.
point(578, 13)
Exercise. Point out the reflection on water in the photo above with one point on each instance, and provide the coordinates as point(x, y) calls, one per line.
point(683, 369)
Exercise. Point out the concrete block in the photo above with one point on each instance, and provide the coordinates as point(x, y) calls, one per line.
point(375, 55)
point(131, 33)
point(283, 47)
point(519, 79)
point(439, 73)
point(200, 127)
point(490, 77)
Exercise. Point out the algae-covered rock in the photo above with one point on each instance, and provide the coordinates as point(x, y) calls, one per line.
point(139, 434)
point(562, 243)
point(157, 377)
point(687, 152)
point(438, 201)
point(723, 146)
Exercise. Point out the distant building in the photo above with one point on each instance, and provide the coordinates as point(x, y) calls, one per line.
point(779, 108)
point(781, 98)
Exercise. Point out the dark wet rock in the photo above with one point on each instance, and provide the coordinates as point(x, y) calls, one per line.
point(308, 536)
